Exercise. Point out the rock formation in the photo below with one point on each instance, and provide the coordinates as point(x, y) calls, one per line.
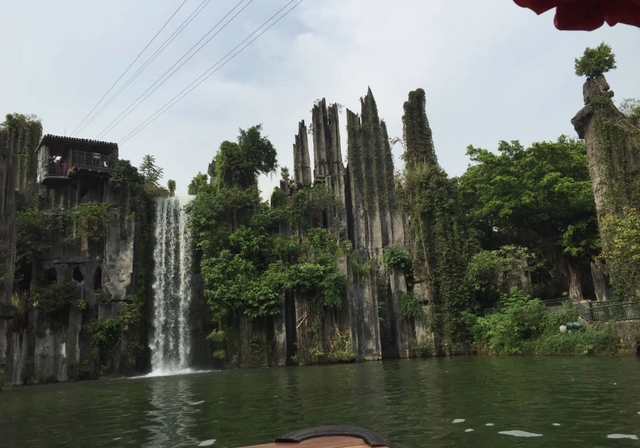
point(366, 214)
point(613, 151)
point(7, 241)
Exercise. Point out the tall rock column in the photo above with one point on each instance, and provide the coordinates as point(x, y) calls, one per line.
point(301, 162)
point(329, 168)
point(375, 223)
point(7, 240)
point(439, 256)
point(613, 151)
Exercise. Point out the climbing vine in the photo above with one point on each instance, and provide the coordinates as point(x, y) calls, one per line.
point(431, 200)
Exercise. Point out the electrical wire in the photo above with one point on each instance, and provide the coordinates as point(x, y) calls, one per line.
point(158, 83)
point(149, 60)
point(199, 81)
point(130, 65)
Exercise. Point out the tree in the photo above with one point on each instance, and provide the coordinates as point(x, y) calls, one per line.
point(240, 163)
point(596, 61)
point(197, 182)
point(171, 185)
point(127, 175)
point(631, 108)
point(151, 172)
point(540, 198)
point(152, 175)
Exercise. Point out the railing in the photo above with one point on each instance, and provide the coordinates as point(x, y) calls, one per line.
point(92, 160)
point(582, 310)
point(594, 311)
point(555, 302)
point(606, 311)
point(56, 170)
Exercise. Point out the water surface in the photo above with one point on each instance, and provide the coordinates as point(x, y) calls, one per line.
point(494, 402)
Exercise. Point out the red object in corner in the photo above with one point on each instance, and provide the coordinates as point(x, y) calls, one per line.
point(587, 15)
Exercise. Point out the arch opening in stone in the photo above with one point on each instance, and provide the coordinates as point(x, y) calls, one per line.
point(52, 275)
point(77, 275)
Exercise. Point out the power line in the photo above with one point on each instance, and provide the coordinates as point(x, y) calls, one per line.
point(130, 65)
point(199, 81)
point(151, 58)
point(152, 89)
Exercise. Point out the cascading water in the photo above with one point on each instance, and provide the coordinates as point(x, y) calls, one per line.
point(171, 342)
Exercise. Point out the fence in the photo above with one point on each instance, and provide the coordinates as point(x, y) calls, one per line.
point(594, 311)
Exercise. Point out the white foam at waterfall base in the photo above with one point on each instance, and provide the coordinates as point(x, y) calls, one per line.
point(170, 342)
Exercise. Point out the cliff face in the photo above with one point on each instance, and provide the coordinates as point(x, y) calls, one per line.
point(80, 251)
point(613, 151)
point(41, 349)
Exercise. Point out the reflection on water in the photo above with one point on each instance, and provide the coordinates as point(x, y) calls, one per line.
point(171, 417)
point(473, 401)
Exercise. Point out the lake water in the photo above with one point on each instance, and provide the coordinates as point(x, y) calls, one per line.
point(463, 402)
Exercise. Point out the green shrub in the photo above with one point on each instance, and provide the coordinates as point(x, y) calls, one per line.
point(523, 326)
point(588, 341)
point(411, 308)
point(397, 258)
point(106, 334)
point(53, 300)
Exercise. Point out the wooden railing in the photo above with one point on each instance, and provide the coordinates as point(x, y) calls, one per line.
point(92, 160)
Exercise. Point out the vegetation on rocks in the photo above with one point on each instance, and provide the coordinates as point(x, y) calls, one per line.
point(596, 61)
point(524, 327)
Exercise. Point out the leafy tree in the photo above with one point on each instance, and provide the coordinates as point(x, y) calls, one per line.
point(198, 181)
point(152, 175)
point(151, 172)
point(127, 175)
point(491, 273)
point(631, 108)
point(33, 231)
point(540, 198)
point(596, 61)
point(240, 163)
point(171, 186)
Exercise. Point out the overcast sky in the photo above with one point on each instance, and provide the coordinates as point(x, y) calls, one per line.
point(491, 71)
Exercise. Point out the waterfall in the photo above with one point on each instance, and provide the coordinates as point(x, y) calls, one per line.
point(171, 342)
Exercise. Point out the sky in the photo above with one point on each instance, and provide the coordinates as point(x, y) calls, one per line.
point(491, 71)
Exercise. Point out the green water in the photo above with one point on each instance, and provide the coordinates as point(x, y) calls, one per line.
point(413, 403)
